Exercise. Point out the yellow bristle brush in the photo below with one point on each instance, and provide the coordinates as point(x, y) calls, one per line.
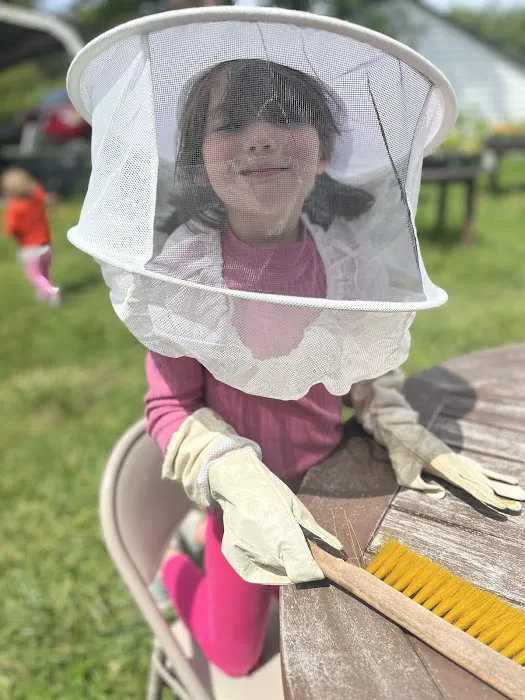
point(477, 630)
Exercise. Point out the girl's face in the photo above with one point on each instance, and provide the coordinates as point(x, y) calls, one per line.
point(256, 166)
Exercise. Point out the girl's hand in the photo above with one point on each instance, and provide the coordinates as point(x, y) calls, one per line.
point(414, 450)
point(263, 522)
point(384, 412)
point(263, 519)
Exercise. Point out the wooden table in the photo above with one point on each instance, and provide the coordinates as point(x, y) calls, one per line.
point(446, 175)
point(333, 646)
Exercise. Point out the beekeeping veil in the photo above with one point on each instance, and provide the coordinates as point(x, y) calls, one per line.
point(254, 186)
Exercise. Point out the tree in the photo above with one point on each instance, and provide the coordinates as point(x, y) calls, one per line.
point(103, 14)
point(365, 12)
point(96, 17)
point(505, 28)
point(30, 4)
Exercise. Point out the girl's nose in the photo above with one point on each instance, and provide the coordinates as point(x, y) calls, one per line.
point(260, 136)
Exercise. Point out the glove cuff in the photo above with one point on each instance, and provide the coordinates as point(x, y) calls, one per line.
point(201, 439)
point(228, 444)
point(380, 400)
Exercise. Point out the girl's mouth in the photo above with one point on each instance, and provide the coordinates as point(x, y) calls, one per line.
point(263, 172)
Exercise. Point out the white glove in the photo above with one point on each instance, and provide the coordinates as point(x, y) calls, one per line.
point(263, 519)
point(384, 412)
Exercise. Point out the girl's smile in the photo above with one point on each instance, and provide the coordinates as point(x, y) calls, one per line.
point(264, 171)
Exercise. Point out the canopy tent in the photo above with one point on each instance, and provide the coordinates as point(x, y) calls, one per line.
point(26, 34)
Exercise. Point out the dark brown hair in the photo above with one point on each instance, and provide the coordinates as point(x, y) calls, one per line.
point(256, 89)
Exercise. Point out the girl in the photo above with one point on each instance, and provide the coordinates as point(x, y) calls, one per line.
point(261, 159)
point(263, 285)
point(25, 219)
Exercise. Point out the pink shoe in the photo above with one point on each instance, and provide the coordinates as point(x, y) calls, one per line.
point(54, 299)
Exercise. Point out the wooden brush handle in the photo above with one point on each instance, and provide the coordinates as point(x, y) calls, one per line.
point(490, 666)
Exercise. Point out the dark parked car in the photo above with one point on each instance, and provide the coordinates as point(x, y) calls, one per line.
point(10, 134)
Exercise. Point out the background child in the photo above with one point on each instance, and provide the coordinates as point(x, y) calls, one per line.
point(25, 219)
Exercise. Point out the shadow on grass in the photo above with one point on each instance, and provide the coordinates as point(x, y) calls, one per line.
point(506, 189)
point(446, 238)
point(79, 286)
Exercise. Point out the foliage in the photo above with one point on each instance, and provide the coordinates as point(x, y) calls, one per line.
point(109, 13)
point(99, 16)
point(504, 27)
point(96, 17)
point(509, 129)
point(469, 134)
point(29, 4)
point(21, 86)
point(364, 12)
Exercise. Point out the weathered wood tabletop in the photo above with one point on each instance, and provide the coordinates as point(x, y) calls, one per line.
point(334, 646)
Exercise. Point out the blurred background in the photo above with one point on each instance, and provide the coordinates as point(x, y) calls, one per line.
point(72, 378)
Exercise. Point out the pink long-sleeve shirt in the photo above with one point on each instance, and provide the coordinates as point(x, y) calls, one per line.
point(293, 435)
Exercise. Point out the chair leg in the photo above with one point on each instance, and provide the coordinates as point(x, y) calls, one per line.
point(155, 682)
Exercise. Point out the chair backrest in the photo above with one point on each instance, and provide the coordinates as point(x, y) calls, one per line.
point(139, 512)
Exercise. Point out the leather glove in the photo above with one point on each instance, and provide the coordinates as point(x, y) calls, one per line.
point(384, 412)
point(263, 519)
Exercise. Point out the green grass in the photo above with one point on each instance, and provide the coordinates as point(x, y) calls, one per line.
point(72, 381)
point(485, 284)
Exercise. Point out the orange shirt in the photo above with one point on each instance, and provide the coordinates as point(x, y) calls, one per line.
point(25, 218)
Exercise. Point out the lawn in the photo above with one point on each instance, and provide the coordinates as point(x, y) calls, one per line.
point(72, 381)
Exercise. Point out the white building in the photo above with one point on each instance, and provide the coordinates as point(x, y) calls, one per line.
point(483, 76)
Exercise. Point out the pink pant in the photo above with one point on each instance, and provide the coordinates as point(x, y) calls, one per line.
point(37, 272)
point(225, 615)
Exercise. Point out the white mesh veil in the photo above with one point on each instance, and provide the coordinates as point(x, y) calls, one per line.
point(253, 191)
